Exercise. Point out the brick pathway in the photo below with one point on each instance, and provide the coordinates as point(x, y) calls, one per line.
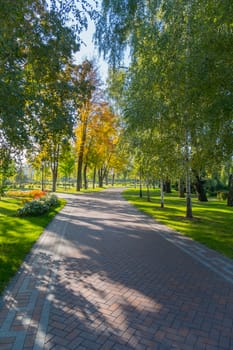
point(102, 276)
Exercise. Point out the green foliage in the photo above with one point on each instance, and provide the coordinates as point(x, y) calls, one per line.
point(37, 41)
point(222, 195)
point(7, 166)
point(38, 206)
point(2, 191)
point(214, 184)
point(12, 58)
point(177, 93)
point(75, 13)
point(67, 160)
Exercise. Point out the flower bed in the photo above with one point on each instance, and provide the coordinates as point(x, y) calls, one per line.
point(33, 194)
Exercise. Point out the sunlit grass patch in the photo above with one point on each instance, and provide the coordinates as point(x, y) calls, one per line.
point(73, 190)
point(212, 223)
point(17, 235)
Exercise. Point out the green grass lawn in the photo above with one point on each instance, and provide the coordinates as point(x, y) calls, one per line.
point(212, 224)
point(17, 235)
point(73, 190)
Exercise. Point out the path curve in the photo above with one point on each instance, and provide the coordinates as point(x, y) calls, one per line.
point(104, 276)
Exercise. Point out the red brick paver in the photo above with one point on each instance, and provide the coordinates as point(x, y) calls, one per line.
point(102, 276)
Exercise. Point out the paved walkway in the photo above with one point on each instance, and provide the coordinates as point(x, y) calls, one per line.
point(102, 276)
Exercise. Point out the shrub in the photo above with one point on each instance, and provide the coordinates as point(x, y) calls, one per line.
point(222, 195)
point(38, 206)
point(52, 200)
point(211, 193)
point(2, 191)
point(25, 200)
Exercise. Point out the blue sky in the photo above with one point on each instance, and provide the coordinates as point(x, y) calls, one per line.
point(89, 51)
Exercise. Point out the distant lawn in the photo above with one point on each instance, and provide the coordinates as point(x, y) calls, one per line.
point(17, 235)
point(73, 190)
point(212, 224)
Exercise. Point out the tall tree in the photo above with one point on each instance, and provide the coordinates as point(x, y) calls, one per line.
point(13, 39)
point(86, 79)
point(180, 48)
point(67, 161)
point(35, 41)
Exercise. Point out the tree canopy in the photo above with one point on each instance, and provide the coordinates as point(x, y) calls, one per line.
point(178, 86)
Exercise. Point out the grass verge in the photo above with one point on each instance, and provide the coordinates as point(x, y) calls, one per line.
point(212, 223)
point(17, 235)
point(83, 190)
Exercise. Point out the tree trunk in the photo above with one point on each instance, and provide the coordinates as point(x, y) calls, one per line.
point(94, 178)
point(42, 178)
point(140, 184)
point(181, 188)
point(106, 177)
point(113, 178)
point(54, 174)
point(167, 186)
point(85, 176)
point(201, 193)
point(162, 193)
point(189, 213)
point(81, 156)
point(148, 190)
point(54, 168)
point(230, 191)
point(100, 174)
point(79, 174)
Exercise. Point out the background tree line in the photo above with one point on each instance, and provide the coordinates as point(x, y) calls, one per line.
point(176, 92)
point(50, 106)
point(175, 95)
